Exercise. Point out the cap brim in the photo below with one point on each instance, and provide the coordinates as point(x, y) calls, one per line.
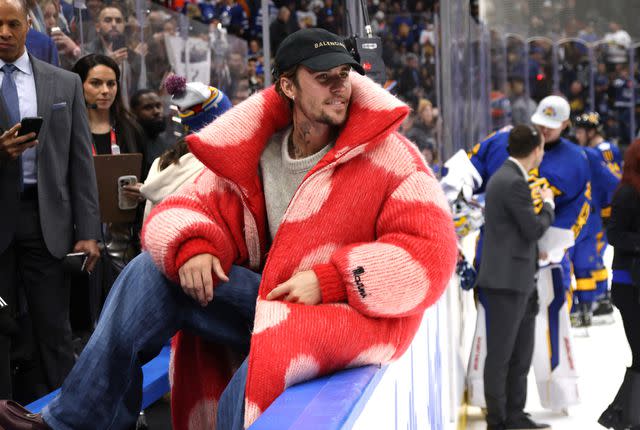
point(330, 60)
point(541, 120)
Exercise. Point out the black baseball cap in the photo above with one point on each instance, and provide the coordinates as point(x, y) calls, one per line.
point(315, 48)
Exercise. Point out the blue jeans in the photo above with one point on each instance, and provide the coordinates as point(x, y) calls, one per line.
point(143, 310)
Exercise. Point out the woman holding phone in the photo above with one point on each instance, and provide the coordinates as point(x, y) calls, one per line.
point(57, 28)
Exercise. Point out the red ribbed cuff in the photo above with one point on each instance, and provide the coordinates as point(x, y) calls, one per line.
point(190, 249)
point(331, 284)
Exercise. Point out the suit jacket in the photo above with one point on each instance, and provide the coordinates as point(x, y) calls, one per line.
point(67, 190)
point(512, 229)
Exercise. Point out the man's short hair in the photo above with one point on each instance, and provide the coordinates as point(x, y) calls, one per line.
point(22, 4)
point(134, 102)
point(523, 140)
point(113, 6)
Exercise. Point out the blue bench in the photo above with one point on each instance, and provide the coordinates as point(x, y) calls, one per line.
point(332, 402)
point(155, 377)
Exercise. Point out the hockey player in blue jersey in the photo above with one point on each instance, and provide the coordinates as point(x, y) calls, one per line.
point(564, 167)
point(588, 131)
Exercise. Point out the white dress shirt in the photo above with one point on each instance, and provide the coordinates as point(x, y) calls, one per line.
point(27, 98)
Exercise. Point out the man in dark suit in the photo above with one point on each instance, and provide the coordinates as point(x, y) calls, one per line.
point(48, 193)
point(506, 279)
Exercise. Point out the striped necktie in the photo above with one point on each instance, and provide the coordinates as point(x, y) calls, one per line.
point(10, 95)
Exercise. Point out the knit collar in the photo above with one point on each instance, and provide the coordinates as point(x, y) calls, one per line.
point(231, 145)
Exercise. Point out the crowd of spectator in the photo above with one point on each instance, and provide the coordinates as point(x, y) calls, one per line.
point(585, 59)
point(232, 33)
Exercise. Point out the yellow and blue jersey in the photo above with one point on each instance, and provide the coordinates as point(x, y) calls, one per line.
point(564, 168)
point(611, 156)
point(585, 255)
point(604, 181)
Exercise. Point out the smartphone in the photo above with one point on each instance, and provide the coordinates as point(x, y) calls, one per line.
point(75, 262)
point(30, 124)
point(54, 30)
point(126, 202)
point(117, 42)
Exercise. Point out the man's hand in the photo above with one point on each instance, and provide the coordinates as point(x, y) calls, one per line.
point(303, 287)
point(12, 146)
point(546, 193)
point(196, 279)
point(90, 247)
point(120, 55)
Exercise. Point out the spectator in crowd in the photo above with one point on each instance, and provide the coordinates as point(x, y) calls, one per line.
point(255, 49)
point(410, 81)
point(148, 110)
point(86, 33)
point(618, 41)
point(577, 98)
point(230, 227)
point(174, 168)
point(329, 16)
point(522, 106)
point(428, 121)
point(36, 15)
point(305, 16)
point(49, 198)
point(111, 41)
point(509, 290)
point(623, 232)
point(233, 17)
point(177, 165)
point(588, 33)
point(258, 18)
point(69, 51)
point(281, 27)
point(255, 74)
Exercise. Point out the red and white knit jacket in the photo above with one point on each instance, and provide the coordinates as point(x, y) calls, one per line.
point(369, 219)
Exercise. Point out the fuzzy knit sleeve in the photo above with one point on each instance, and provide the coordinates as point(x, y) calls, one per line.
point(203, 217)
point(409, 265)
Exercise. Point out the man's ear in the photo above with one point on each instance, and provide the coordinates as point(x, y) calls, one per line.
point(287, 85)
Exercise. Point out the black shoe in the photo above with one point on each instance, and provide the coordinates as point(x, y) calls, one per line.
point(623, 412)
point(525, 423)
point(611, 418)
point(604, 307)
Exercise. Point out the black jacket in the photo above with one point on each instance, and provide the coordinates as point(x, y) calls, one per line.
point(623, 229)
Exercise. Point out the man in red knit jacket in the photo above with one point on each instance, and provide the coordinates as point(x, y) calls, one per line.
point(359, 238)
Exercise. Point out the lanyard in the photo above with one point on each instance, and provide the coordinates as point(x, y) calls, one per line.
point(113, 143)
